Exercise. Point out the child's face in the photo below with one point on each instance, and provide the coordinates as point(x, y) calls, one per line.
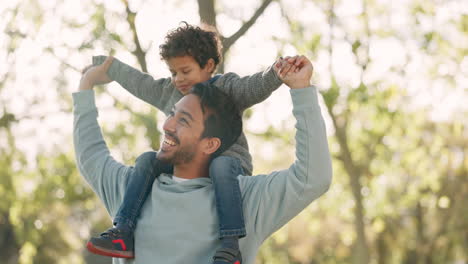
point(186, 72)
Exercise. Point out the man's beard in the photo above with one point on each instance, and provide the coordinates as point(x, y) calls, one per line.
point(181, 156)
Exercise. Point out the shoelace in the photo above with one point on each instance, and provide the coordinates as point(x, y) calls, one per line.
point(111, 232)
point(226, 254)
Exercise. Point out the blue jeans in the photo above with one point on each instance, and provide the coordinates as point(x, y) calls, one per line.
point(223, 172)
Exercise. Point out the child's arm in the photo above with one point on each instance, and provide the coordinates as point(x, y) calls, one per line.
point(253, 89)
point(140, 84)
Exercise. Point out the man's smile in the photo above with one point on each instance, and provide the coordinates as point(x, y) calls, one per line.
point(169, 141)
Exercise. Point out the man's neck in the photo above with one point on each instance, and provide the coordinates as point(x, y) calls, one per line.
point(191, 171)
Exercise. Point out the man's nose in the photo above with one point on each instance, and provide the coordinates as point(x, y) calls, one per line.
point(169, 124)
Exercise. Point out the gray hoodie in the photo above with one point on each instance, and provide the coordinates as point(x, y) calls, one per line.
point(178, 222)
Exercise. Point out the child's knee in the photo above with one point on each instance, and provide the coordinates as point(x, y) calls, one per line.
point(146, 158)
point(223, 165)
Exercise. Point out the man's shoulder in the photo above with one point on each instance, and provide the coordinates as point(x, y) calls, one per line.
point(246, 182)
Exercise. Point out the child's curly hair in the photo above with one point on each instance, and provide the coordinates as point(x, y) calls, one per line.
point(188, 40)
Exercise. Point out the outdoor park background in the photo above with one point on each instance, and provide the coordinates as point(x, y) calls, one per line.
point(393, 78)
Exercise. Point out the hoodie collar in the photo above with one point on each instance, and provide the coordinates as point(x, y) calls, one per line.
point(167, 183)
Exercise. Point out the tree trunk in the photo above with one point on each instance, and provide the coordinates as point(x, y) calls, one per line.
point(382, 248)
point(361, 252)
point(420, 238)
point(10, 249)
point(361, 249)
point(207, 13)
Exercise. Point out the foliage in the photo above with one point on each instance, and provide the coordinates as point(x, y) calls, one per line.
point(400, 166)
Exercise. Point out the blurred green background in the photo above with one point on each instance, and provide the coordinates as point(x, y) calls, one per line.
point(393, 78)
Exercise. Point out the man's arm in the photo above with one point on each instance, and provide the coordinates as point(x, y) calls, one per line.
point(106, 176)
point(270, 201)
point(142, 85)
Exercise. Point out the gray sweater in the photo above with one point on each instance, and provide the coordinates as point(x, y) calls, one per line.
point(178, 222)
point(161, 93)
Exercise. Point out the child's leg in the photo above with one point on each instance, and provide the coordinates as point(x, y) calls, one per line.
point(223, 172)
point(140, 183)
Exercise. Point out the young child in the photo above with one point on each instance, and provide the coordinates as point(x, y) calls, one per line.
point(192, 55)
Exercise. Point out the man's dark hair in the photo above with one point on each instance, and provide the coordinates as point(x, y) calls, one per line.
point(188, 40)
point(224, 121)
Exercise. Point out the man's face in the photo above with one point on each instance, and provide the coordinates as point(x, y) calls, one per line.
point(182, 132)
point(186, 72)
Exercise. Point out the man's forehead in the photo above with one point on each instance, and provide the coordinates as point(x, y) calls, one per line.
point(191, 105)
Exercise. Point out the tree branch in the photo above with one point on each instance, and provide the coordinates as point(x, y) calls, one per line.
point(227, 42)
point(139, 53)
point(352, 168)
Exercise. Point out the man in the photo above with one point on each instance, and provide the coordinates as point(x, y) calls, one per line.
point(178, 223)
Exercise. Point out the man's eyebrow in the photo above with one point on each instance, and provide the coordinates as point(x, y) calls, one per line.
point(187, 114)
point(174, 108)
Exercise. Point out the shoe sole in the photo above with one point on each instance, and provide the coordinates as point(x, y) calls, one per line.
point(110, 253)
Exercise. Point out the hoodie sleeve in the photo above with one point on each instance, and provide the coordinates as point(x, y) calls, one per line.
point(272, 200)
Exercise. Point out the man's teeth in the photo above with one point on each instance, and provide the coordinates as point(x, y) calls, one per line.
point(170, 142)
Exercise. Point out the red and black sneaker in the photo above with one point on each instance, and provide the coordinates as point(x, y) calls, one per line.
point(227, 255)
point(113, 243)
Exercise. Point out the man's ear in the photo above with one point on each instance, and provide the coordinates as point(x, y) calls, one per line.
point(211, 145)
point(210, 66)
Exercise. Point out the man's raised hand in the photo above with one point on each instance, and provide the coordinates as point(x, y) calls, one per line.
point(95, 75)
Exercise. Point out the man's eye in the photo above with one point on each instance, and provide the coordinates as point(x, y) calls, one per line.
point(183, 120)
point(173, 74)
point(186, 72)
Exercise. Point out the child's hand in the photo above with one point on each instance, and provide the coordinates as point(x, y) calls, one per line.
point(95, 75)
point(300, 77)
point(284, 66)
